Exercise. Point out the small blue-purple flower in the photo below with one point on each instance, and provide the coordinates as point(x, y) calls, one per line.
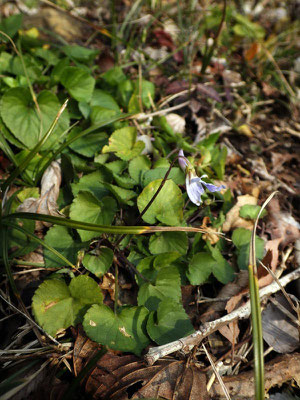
point(194, 184)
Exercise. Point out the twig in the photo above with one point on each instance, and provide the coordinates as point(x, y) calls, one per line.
point(194, 339)
point(216, 372)
point(30, 320)
point(160, 112)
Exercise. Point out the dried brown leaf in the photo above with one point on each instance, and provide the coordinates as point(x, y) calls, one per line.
point(46, 203)
point(120, 377)
point(208, 91)
point(176, 87)
point(233, 219)
point(280, 370)
point(280, 329)
point(282, 225)
point(84, 350)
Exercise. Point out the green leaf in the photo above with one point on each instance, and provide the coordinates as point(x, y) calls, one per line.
point(49, 56)
point(218, 160)
point(84, 108)
point(60, 239)
point(124, 331)
point(169, 241)
point(203, 264)
point(170, 322)
point(251, 211)
point(165, 259)
point(57, 306)
point(125, 90)
point(19, 243)
point(5, 60)
point(200, 268)
point(26, 193)
point(165, 286)
point(10, 26)
point(147, 91)
point(104, 100)
point(114, 76)
point(92, 183)
point(124, 181)
point(89, 145)
point(116, 167)
point(100, 263)
point(222, 270)
point(137, 166)
point(247, 28)
point(87, 208)
point(168, 205)
point(79, 53)
point(34, 165)
point(123, 143)
point(134, 104)
point(241, 238)
point(19, 114)
point(58, 70)
point(100, 114)
point(123, 196)
point(33, 69)
point(176, 175)
point(78, 82)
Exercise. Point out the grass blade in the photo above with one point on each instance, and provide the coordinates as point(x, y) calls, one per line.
point(256, 314)
point(69, 223)
point(34, 151)
point(78, 136)
point(41, 242)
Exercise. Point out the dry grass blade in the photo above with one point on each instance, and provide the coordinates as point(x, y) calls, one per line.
point(256, 313)
point(216, 372)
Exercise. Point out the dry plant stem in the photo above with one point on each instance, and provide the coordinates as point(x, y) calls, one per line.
point(216, 372)
point(174, 96)
point(281, 288)
point(286, 84)
point(141, 116)
point(30, 320)
point(282, 369)
point(188, 342)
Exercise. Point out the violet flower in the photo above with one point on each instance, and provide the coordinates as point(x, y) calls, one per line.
point(194, 184)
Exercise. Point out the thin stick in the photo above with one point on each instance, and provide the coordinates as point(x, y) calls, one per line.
point(30, 320)
point(216, 372)
point(160, 112)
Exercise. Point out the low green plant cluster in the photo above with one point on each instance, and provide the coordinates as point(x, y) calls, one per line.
point(109, 179)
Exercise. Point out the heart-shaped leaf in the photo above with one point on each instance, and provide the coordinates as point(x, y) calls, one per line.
point(19, 113)
point(165, 286)
point(123, 143)
point(99, 263)
point(87, 208)
point(124, 331)
point(169, 322)
point(60, 239)
point(166, 208)
point(78, 82)
point(57, 306)
point(168, 242)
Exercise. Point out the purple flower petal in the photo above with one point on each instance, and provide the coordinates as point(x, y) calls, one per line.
point(213, 188)
point(194, 189)
point(181, 160)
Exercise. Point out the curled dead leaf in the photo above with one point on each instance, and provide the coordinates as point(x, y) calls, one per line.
point(211, 233)
point(46, 203)
point(282, 225)
point(117, 376)
point(233, 219)
point(176, 122)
